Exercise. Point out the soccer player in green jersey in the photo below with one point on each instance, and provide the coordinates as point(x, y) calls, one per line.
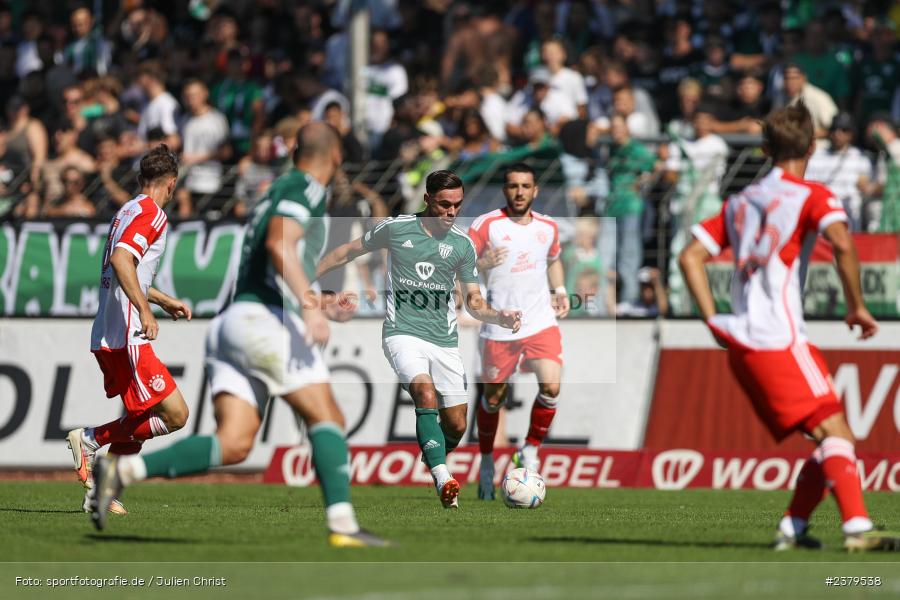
point(429, 254)
point(267, 343)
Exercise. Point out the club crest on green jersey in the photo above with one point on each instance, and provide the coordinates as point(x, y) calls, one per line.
point(424, 270)
point(445, 249)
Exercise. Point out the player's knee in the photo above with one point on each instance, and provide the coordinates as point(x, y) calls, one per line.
point(494, 397)
point(175, 418)
point(834, 426)
point(549, 390)
point(426, 397)
point(235, 448)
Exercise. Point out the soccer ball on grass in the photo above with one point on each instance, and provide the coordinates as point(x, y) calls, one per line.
point(522, 488)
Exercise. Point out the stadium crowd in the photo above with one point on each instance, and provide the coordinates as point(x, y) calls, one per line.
point(637, 100)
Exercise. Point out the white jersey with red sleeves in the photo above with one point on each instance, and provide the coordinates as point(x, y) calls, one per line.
point(520, 283)
point(771, 227)
point(140, 228)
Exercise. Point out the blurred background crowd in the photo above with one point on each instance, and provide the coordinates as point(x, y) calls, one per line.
point(639, 115)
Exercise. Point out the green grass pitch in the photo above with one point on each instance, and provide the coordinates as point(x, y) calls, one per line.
point(702, 543)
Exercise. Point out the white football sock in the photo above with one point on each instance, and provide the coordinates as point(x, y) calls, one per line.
point(530, 452)
point(792, 526)
point(441, 475)
point(87, 438)
point(856, 525)
point(341, 518)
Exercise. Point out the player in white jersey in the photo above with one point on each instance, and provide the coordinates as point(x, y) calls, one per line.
point(771, 227)
point(519, 253)
point(125, 326)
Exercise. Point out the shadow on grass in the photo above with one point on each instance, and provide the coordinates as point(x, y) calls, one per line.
point(576, 539)
point(139, 539)
point(48, 511)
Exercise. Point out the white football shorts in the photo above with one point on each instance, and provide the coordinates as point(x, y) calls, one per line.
point(410, 356)
point(255, 351)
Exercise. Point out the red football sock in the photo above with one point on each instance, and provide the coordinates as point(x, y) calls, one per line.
point(810, 490)
point(123, 448)
point(487, 427)
point(130, 429)
point(841, 475)
point(542, 412)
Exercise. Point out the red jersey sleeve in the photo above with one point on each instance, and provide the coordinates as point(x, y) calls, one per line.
point(555, 250)
point(143, 231)
point(713, 232)
point(479, 236)
point(823, 209)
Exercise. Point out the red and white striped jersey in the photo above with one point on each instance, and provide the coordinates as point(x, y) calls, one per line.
point(520, 283)
point(140, 228)
point(771, 227)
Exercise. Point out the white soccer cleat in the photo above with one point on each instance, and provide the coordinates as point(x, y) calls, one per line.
point(82, 456)
point(486, 480)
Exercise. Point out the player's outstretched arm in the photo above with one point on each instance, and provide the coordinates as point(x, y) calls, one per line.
point(479, 308)
point(175, 307)
point(281, 244)
point(340, 256)
point(123, 264)
point(692, 260)
point(847, 264)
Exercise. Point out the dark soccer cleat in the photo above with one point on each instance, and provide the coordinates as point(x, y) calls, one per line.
point(874, 540)
point(791, 542)
point(107, 487)
point(360, 539)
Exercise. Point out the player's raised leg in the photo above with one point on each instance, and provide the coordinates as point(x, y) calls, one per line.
point(237, 423)
point(126, 435)
point(542, 411)
point(325, 425)
point(431, 438)
point(487, 416)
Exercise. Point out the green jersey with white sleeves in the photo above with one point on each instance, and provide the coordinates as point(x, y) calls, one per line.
point(295, 195)
point(422, 277)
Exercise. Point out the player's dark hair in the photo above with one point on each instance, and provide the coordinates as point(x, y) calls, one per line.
point(788, 133)
point(442, 180)
point(518, 167)
point(314, 140)
point(159, 162)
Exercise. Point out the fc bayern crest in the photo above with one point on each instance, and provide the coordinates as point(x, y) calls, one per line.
point(445, 249)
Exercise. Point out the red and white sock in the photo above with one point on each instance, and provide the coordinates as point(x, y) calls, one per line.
point(487, 417)
point(808, 494)
point(542, 412)
point(130, 429)
point(842, 478)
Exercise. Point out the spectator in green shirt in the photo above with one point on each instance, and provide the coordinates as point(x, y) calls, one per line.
point(630, 162)
point(241, 101)
point(821, 66)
